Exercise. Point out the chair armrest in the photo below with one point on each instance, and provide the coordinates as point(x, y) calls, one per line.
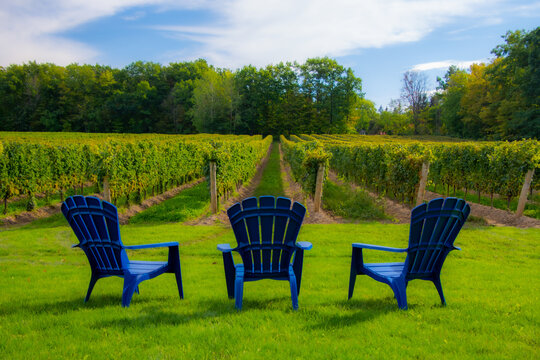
point(304, 245)
point(377, 247)
point(150, 246)
point(75, 245)
point(225, 248)
point(456, 248)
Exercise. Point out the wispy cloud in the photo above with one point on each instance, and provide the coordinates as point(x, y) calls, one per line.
point(444, 64)
point(134, 16)
point(247, 31)
point(29, 29)
point(280, 30)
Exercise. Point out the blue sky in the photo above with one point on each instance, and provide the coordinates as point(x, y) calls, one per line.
point(378, 39)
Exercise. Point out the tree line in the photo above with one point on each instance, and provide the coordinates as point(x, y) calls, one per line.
point(499, 100)
point(186, 97)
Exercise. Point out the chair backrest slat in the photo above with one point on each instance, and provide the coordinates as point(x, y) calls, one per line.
point(95, 224)
point(266, 232)
point(252, 223)
point(281, 220)
point(434, 227)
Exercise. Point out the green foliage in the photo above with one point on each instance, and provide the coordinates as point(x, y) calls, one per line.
point(390, 168)
point(305, 157)
point(237, 161)
point(485, 167)
point(132, 164)
point(215, 101)
point(142, 97)
point(495, 101)
point(184, 97)
point(499, 100)
point(333, 90)
point(392, 165)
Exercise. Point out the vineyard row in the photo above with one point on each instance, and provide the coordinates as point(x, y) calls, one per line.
point(131, 166)
point(391, 167)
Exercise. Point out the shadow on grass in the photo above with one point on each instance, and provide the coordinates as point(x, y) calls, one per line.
point(66, 306)
point(354, 312)
point(208, 309)
point(154, 314)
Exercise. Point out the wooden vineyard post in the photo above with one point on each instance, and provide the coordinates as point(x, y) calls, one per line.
point(422, 186)
point(319, 188)
point(213, 188)
point(524, 192)
point(106, 189)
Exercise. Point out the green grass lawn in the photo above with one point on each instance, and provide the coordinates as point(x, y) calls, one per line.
point(492, 288)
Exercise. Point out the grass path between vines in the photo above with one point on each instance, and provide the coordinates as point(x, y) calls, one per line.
point(293, 190)
point(491, 216)
point(245, 191)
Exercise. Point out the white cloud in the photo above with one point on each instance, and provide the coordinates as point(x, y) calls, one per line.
point(446, 64)
point(265, 32)
point(248, 31)
point(29, 29)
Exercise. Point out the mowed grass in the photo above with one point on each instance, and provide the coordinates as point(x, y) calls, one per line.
point(189, 204)
point(350, 203)
point(492, 288)
point(271, 183)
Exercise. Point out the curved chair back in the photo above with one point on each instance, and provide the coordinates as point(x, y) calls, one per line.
point(95, 224)
point(266, 233)
point(434, 227)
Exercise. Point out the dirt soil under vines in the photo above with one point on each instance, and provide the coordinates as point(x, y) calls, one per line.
point(46, 211)
point(400, 213)
point(493, 216)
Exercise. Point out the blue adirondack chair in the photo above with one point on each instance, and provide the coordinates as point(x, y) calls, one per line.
point(95, 224)
point(266, 234)
point(434, 227)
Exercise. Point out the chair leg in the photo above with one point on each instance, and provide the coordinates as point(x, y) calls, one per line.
point(137, 290)
point(437, 282)
point(297, 267)
point(178, 275)
point(399, 288)
point(93, 281)
point(130, 284)
point(230, 274)
point(239, 289)
point(356, 263)
point(174, 267)
point(294, 290)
